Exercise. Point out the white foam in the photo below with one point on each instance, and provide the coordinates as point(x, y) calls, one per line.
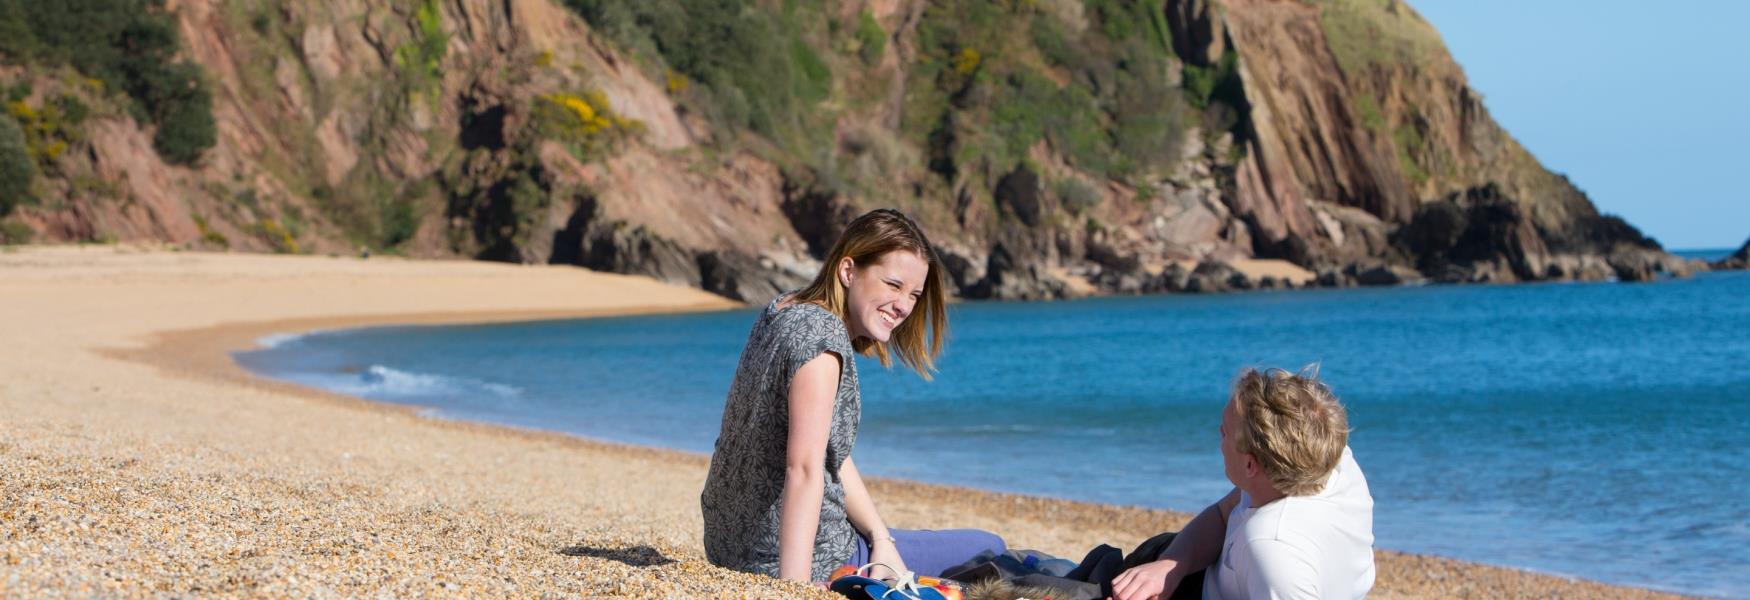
point(379, 380)
point(278, 339)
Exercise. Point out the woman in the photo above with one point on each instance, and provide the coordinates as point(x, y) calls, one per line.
point(783, 497)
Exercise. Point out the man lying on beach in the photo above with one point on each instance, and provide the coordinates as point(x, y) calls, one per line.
point(1299, 522)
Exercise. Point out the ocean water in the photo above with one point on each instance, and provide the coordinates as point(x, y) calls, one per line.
point(1597, 430)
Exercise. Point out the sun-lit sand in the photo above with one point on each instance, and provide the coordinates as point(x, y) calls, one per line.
point(137, 459)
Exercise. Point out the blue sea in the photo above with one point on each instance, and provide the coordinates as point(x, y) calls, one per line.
point(1597, 430)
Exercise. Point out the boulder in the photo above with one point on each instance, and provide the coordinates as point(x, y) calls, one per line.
point(1377, 274)
point(1216, 276)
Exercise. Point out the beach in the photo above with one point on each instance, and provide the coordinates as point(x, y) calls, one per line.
point(136, 458)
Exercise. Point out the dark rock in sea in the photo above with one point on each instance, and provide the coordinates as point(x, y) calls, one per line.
point(1739, 260)
point(1334, 277)
point(1216, 276)
point(1006, 278)
point(1174, 278)
point(742, 277)
point(1458, 238)
point(963, 271)
point(589, 241)
point(1383, 274)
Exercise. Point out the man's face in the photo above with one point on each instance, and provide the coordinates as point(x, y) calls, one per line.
point(1233, 462)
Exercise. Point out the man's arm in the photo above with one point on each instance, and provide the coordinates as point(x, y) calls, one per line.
point(1199, 544)
point(1194, 549)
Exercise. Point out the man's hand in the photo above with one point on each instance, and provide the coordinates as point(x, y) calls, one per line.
point(1147, 582)
point(883, 552)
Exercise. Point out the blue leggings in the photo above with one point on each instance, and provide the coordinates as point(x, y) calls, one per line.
point(930, 552)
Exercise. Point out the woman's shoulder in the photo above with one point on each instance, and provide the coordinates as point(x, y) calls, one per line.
point(805, 319)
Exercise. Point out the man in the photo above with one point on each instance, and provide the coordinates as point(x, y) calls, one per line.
point(1299, 522)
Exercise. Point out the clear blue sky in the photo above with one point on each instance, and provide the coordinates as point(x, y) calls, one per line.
point(1642, 104)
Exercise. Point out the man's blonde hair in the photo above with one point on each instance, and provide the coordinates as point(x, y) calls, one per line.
point(1293, 425)
point(918, 340)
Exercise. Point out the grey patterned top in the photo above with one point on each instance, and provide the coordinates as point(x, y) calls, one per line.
point(746, 481)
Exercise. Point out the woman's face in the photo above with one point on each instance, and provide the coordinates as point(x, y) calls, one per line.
point(879, 296)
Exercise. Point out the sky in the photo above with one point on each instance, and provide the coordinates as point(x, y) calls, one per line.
point(1642, 104)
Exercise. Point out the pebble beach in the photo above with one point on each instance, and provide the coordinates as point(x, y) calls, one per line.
point(136, 459)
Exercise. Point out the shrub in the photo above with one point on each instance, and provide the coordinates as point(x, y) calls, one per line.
point(421, 60)
point(17, 169)
point(210, 236)
point(871, 39)
point(400, 221)
point(586, 123)
point(128, 45)
point(1077, 195)
point(50, 130)
point(185, 125)
point(14, 232)
point(982, 88)
point(751, 63)
point(1217, 82)
point(277, 236)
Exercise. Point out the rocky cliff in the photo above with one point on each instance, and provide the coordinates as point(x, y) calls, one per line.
point(1112, 148)
point(1739, 260)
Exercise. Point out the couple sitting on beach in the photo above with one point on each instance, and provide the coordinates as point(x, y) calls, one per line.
point(784, 497)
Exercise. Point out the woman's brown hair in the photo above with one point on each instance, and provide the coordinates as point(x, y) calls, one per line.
point(917, 342)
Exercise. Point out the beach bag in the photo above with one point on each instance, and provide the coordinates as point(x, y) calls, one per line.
point(859, 586)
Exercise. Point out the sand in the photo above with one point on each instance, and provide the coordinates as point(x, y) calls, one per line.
point(136, 459)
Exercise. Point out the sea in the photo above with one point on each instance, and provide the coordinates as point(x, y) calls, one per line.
point(1595, 430)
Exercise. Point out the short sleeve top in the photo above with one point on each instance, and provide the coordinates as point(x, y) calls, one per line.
point(746, 481)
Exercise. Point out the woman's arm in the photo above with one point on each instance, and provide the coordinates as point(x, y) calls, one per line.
point(861, 509)
point(811, 397)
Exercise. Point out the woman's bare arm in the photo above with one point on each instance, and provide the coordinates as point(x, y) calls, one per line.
point(812, 393)
point(860, 507)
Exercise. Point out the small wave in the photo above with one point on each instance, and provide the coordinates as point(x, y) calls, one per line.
point(278, 339)
point(378, 380)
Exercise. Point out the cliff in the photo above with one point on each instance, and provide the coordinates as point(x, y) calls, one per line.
point(1737, 261)
point(1052, 148)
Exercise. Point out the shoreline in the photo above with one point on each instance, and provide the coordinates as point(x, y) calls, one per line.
point(344, 465)
point(231, 338)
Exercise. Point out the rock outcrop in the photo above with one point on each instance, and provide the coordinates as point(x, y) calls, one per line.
point(1334, 137)
point(1738, 261)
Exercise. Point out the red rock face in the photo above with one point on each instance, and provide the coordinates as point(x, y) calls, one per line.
point(1385, 133)
point(1330, 164)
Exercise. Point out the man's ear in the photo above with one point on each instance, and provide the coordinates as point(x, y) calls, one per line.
point(1253, 467)
point(847, 267)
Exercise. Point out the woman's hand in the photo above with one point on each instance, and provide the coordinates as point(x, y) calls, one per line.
point(882, 551)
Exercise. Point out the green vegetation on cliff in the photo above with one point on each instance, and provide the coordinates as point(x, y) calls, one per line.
point(17, 170)
point(128, 45)
point(756, 68)
point(1100, 90)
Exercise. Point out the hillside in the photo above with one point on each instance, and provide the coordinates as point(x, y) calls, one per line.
point(1051, 147)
